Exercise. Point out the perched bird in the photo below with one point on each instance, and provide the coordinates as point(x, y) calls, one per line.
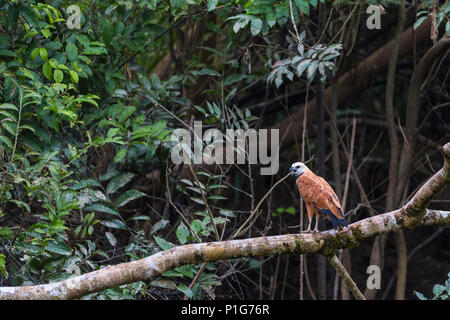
point(319, 197)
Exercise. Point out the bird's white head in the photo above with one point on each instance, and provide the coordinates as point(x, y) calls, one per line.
point(298, 168)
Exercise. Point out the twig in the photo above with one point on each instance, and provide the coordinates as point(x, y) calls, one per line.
point(351, 285)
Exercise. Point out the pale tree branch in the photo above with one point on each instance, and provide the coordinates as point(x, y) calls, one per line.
point(351, 285)
point(413, 214)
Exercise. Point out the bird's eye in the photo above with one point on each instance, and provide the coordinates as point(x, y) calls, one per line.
point(297, 167)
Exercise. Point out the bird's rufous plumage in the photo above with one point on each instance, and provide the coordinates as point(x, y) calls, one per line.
point(319, 197)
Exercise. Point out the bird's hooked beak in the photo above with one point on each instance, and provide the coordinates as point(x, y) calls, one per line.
point(292, 170)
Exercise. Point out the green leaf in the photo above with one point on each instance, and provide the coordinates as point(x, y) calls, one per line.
point(128, 196)
point(86, 183)
point(10, 127)
point(138, 218)
point(58, 76)
point(235, 77)
point(120, 155)
point(447, 28)
point(227, 213)
point(95, 51)
point(312, 68)
point(43, 53)
point(282, 13)
point(205, 71)
point(46, 33)
point(114, 223)
point(212, 4)
point(420, 296)
point(59, 248)
point(47, 70)
point(150, 130)
point(290, 210)
point(438, 289)
point(163, 244)
point(185, 289)
point(73, 76)
point(419, 22)
point(111, 238)
point(303, 5)
point(217, 197)
point(71, 51)
point(164, 283)
point(100, 207)
point(9, 115)
point(28, 127)
point(182, 233)
point(197, 225)
point(34, 53)
point(255, 26)
point(6, 141)
point(119, 181)
point(8, 106)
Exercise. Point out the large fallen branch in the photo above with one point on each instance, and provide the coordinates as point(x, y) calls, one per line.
point(413, 214)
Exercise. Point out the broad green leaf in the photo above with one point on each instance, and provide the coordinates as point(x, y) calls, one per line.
point(71, 51)
point(58, 76)
point(10, 127)
point(163, 244)
point(47, 70)
point(111, 238)
point(197, 225)
point(419, 22)
point(255, 26)
point(120, 155)
point(159, 225)
point(73, 76)
point(34, 53)
point(312, 68)
point(138, 218)
point(212, 4)
point(86, 183)
point(114, 223)
point(205, 71)
point(227, 213)
point(185, 289)
point(100, 207)
point(303, 5)
point(9, 115)
point(234, 78)
point(59, 248)
point(128, 196)
point(4, 139)
point(119, 181)
point(45, 32)
point(438, 289)
point(164, 283)
point(182, 233)
point(420, 296)
point(290, 210)
point(95, 51)
point(27, 127)
point(8, 106)
point(43, 53)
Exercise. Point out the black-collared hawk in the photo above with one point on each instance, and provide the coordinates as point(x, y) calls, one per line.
point(319, 197)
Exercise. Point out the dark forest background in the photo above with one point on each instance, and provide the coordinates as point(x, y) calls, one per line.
point(86, 117)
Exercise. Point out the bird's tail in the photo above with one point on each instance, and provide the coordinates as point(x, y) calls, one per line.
point(340, 223)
